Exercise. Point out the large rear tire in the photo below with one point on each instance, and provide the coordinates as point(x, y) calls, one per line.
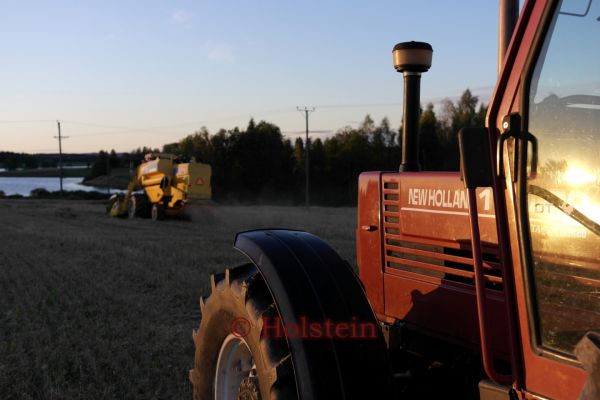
point(233, 360)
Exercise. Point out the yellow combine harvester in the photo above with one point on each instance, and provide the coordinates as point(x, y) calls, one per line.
point(161, 187)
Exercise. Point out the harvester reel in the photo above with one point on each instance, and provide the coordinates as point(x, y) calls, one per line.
point(111, 203)
point(114, 207)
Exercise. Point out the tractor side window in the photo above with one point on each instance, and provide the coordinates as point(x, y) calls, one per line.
point(564, 198)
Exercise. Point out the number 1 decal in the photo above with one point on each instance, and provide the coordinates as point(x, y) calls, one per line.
point(486, 195)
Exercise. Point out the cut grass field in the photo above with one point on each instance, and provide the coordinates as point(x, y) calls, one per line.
point(95, 307)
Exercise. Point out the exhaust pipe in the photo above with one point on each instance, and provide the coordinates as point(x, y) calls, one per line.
point(411, 59)
point(508, 13)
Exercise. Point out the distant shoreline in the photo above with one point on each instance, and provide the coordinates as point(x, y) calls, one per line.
point(118, 180)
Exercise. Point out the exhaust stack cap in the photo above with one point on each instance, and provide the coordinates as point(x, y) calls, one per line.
point(412, 56)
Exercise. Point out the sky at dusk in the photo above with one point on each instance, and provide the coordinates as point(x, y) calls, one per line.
point(124, 74)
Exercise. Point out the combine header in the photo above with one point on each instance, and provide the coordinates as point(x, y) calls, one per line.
point(482, 284)
point(165, 186)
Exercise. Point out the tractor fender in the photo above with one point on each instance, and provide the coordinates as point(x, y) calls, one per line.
point(311, 285)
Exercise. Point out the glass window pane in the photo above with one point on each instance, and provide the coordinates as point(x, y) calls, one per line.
point(564, 197)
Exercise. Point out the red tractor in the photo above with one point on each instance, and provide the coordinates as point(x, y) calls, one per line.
point(479, 283)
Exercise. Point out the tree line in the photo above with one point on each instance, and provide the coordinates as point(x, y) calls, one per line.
point(106, 161)
point(12, 161)
point(258, 165)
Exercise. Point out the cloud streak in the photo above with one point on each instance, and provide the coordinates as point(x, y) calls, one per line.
point(181, 17)
point(220, 52)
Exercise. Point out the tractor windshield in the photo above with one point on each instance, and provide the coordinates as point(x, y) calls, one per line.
point(564, 196)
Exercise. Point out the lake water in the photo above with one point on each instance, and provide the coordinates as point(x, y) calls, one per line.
point(24, 186)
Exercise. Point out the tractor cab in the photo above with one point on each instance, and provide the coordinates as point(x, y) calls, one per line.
point(503, 258)
point(485, 283)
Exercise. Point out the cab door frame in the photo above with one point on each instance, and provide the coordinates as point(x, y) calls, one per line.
point(539, 372)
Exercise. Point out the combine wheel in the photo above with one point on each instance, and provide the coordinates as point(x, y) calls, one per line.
point(158, 212)
point(233, 360)
point(138, 206)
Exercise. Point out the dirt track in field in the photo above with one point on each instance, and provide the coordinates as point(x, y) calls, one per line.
point(94, 307)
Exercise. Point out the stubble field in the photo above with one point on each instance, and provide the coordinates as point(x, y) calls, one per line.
point(97, 307)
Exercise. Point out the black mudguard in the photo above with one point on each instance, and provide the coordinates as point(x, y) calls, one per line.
point(307, 278)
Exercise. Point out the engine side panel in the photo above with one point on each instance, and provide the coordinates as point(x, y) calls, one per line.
point(421, 250)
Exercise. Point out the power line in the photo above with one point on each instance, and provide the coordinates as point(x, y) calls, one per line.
point(307, 111)
point(359, 105)
point(41, 151)
point(313, 132)
point(124, 130)
point(179, 125)
point(93, 124)
point(24, 121)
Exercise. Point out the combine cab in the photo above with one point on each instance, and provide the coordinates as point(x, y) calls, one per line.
point(165, 185)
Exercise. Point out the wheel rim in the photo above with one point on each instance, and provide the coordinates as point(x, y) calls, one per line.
point(234, 363)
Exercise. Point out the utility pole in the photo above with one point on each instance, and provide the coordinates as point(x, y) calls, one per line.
point(60, 163)
point(306, 111)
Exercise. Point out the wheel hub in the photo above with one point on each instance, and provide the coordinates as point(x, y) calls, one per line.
point(235, 367)
point(249, 389)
